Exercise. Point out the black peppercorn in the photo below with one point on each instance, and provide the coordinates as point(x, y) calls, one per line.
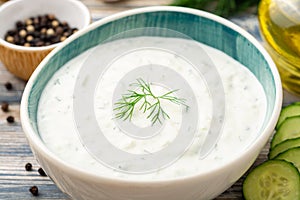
point(34, 190)
point(28, 166)
point(19, 24)
point(35, 34)
point(54, 23)
point(11, 32)
point(21, 41)
point(26, 44)
point(4, 107)
point(59, 30)
point(74, 30)
point(41, 30)
point(42, 172)
point(23, 33)
point(30, 28)
point(28, 21)
point(29, 38)
point(40, 44)
point(62, 38)
point(9, 39)
point(17, 39)
point(34, 42)
point(55, 39)
point(10, 119)
point(8, 85)
point(36, 20)
point(50, 32)
point(51, 17)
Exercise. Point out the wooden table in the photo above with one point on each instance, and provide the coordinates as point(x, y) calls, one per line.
point(14, 149)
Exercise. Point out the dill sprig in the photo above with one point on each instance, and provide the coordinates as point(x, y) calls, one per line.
point(150, 102)
point(225, 8)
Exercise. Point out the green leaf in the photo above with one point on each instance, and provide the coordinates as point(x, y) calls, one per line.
point(224, 8)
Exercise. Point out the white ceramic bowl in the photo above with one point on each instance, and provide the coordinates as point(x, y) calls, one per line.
point(20, 60)
point(204, 27)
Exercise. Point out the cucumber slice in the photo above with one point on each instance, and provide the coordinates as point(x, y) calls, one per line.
point(288, 111)
point(274, 179)
point(289, 128)
point(283, 146)
point(292, 155)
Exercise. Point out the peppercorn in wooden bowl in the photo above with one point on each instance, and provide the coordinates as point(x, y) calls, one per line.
point(30, 29)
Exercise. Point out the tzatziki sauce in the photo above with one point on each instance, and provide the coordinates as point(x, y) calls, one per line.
point(244, 113)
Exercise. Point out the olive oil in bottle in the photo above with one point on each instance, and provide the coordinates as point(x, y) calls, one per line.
point(280, 28)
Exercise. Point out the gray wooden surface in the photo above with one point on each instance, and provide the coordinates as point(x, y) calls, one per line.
point(14, 149)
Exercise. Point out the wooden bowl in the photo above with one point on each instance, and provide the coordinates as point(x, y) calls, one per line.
point(20, 60)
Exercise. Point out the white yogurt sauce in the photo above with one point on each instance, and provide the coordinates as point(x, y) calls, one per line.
point(245, 110)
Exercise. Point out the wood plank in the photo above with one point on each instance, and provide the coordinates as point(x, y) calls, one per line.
point(14, 95)
point(101, 10)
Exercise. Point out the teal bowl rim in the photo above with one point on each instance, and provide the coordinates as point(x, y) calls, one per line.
point(254, 149)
